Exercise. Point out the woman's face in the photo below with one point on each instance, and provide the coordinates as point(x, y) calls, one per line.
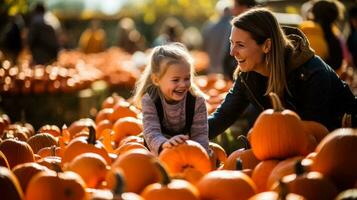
point(249, 55)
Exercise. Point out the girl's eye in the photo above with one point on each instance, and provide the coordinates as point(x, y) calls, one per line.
point(175, 80)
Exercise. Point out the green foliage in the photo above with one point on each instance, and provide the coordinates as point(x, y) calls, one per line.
point(152, 10)
point(13, 7)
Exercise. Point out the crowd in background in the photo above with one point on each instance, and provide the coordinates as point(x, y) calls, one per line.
point(328, 24)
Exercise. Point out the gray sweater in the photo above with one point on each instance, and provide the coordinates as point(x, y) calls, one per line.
point(174, 119)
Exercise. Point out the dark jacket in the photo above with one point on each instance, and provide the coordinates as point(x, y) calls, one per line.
point(316, 92)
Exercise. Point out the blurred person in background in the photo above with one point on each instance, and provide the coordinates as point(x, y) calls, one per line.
point(170, 31)
point(92, 39)
point(279, 60)
point(324, 36)
point(11, 39)
point(129, 38)
point(215, 36)
point(352, 38)
point(42, 39)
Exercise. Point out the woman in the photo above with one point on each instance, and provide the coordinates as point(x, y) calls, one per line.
point(271, 59)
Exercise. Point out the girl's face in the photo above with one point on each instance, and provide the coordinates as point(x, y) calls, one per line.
point(175, 83)
point(249, 55)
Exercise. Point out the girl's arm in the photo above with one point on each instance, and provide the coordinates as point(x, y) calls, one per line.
point(199, 128)
point(152, 130)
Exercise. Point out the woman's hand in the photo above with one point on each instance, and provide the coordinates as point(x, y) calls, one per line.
point(175, 140)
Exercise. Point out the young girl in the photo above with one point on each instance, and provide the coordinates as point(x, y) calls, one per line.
point(173, 108)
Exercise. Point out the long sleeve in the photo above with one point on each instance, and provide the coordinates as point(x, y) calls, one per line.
point(152, 130)
point(199, 128)
point(227, 113)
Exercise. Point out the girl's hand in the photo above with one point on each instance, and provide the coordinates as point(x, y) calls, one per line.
point(175, 140)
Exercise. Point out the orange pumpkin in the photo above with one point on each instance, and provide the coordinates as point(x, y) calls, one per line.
point(219, 155)
point(91, 167)
point(123, 109)
point(51, 162)
point(9, 185)
point(101, 126)
point(276, 196)
point(175, 189)
point(334, 158)
point(41, 140)
point(3, 160)
point(132, 138)
point(129, 146)
point(16, 152)
point(262, 172)
point(245, 154)
point(50, 151)
point(138, 169)
point(226, 185)
point(79, 125)
point(278, 133)
point(49, 185)
point(84, 145)
point(283, 168)
point(103, 115)
point(126, 126)
point(51, 129)
point(312, 185)
point(189, 154)
point(24, 172)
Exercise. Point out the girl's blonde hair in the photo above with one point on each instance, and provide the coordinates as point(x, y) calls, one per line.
point(262, 25)
point(171, 53)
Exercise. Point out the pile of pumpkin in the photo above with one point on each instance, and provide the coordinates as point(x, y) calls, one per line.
point(39, 79)
point(105, 158)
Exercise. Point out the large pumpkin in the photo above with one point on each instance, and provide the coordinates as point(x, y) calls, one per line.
point(16, 152)
point(49, 185)
point(9, 185)
point(138, 169)
point(126, 126)
point(278, 133)
point(173, 189)
point(91, 167)
point(226, 185)
point(335, 157)
point(245, 154)
point(311, 185)
point(189, 154)
point(24, 172)
point(262, 172)
point(84, 145)
point(41, 140)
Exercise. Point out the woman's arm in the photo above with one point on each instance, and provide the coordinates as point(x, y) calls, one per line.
point(227, 113)
point(152, 130)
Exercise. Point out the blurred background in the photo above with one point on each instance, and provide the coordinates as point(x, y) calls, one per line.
point(63, 60)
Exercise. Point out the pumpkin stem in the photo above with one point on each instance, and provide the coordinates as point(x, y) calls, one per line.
point(239, 164)
point(53, 150)
point(119, 186)
point(275, 101)
point(245, 141)
point(165, 176)
point(299, 168)
point(65, 133)
point(91, 137)
point(56, 168)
